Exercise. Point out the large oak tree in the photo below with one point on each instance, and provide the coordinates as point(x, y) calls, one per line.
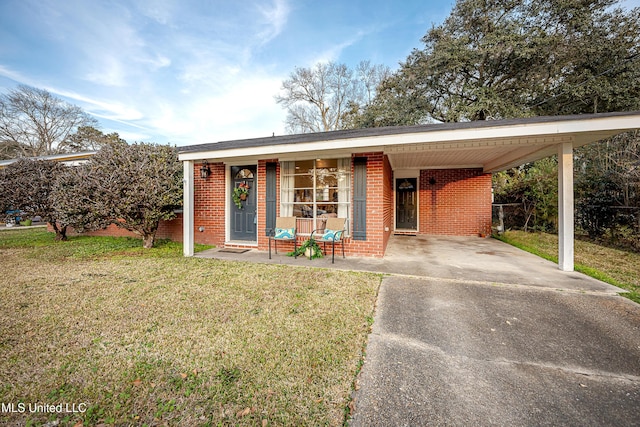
point(506, 58)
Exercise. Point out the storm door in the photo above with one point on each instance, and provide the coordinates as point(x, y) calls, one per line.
point(243, 203)
point(406, 204)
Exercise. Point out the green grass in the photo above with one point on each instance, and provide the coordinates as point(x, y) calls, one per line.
point(618, 267)
point(147, 337)
point(40, 242)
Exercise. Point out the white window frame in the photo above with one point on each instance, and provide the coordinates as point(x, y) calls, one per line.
point(287, 190)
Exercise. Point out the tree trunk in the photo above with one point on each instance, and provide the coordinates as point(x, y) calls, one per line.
point(61, 232)
point(148, 240)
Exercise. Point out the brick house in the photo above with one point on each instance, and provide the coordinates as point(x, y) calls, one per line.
point(426, 179)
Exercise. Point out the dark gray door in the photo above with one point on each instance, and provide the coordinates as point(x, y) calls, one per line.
point(406, 204)
point(243, 218)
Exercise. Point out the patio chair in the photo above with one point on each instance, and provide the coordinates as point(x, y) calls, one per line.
point(333, 233)
point(285, 231)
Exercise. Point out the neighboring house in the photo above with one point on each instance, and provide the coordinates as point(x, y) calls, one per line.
point(69, 159)
point(428, 179)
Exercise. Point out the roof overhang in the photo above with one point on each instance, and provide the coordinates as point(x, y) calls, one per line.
point(490, 145)
point(69, 159)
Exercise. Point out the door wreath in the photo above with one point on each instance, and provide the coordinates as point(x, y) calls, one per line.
point(240, 194)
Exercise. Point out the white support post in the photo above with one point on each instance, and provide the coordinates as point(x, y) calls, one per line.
point(187, 212)
point(565, 206)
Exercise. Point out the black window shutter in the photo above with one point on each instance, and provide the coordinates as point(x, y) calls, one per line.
point(271, 198)
point(359, 198)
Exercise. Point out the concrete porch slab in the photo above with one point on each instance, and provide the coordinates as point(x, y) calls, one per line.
point(473, 259)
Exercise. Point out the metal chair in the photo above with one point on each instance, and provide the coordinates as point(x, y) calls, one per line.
point(285, 231)
point(333, 233)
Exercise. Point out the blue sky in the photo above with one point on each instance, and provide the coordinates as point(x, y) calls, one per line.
point(196, 71)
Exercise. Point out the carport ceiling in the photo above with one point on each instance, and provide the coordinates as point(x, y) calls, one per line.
point(491, 154)
point(503, 144)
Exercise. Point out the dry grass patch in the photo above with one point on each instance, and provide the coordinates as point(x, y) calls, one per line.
point(153, 340)
point(616, 266)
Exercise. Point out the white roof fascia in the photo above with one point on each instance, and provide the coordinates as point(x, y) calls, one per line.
point(267, 151)
point(453, 136)
point(63, 158)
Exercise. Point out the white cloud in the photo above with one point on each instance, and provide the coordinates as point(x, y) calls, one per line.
point(109, 72)
point(130, 136)
point(13, 75)
point(276, 19)
point(333, 52)
point(111, 110)
point(245, 109)
point(161, 11)
point(158, 61)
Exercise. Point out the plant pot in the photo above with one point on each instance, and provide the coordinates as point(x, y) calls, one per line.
point(309, 252)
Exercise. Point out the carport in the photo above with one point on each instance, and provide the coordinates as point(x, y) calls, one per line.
point(499, 145)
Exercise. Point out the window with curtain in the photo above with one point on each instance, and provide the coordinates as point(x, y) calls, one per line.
point(313, 190)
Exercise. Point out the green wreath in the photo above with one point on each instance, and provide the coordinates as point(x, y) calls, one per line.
point(240, 194)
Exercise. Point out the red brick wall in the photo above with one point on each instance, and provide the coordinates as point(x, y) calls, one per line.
point(166, 230)
point(171, 230)
point(458, 203)
point(376, 184)
point(209, 205)
point(111, 230)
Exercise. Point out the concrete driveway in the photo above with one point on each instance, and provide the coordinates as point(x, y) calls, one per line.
point(472, 331)
point(494, 336)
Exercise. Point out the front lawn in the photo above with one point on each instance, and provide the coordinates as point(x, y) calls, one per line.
point(615, 266)
point(127, 336)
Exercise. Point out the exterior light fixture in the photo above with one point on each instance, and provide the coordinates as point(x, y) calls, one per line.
point(204, 170)
point(432, 181)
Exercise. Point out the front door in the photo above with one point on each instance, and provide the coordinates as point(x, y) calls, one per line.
point(406, 204)
point(243, 205)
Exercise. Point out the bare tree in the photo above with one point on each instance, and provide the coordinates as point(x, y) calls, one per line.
point(324, 97)
point(370, 76)
point(34, 123)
